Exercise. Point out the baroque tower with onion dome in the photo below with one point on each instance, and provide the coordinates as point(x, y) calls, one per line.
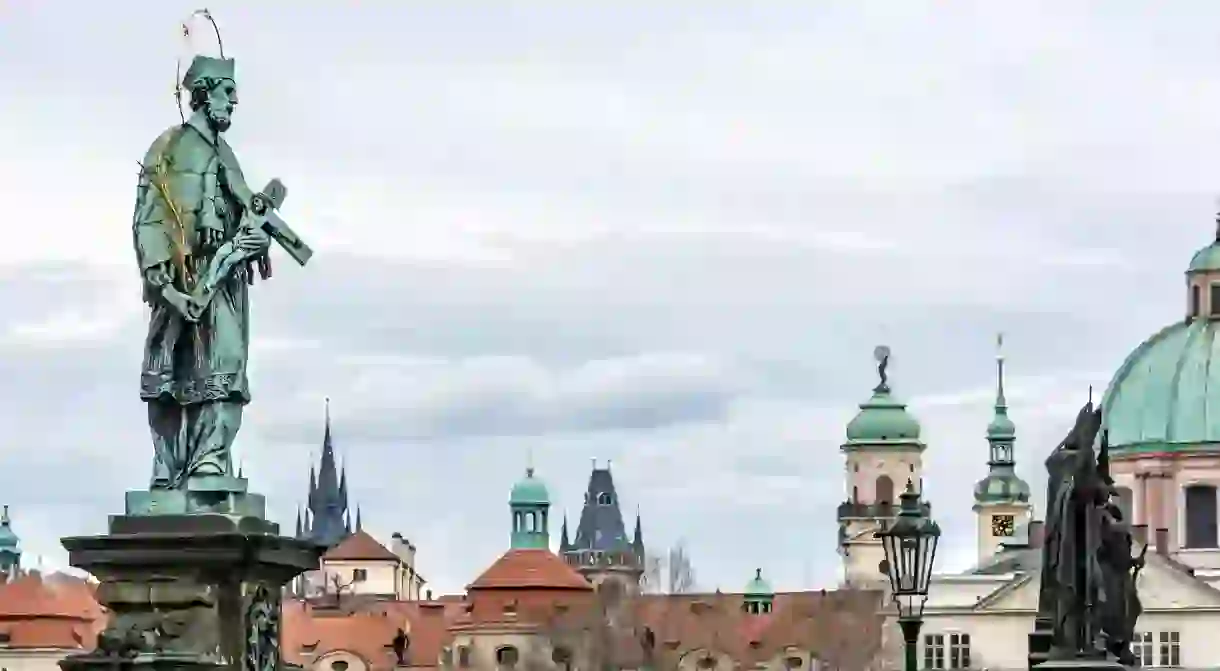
point(1001, 498)
point(883, 453)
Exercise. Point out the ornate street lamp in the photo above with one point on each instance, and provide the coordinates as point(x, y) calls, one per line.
point(910, 548)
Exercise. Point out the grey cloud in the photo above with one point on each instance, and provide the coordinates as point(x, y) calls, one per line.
point(427, 399)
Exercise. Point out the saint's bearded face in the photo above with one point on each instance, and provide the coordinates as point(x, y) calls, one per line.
point(222, 99)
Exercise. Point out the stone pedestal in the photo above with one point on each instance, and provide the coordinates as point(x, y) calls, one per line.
point(1041, 640)
point(190, 591)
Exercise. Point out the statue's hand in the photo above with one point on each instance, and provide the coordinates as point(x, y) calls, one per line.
point(253, 241)
point(183, 304)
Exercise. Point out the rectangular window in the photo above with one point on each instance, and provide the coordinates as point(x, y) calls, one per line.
point(959, 651)
point(1170, 649)
point(360, 574)
point(934, 651)
point(1141, 647)
point(1215, 294)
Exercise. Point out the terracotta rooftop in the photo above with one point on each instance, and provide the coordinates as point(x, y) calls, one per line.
point(360, 546)
point(58, 611)
point(530, 569)
point(309, 634)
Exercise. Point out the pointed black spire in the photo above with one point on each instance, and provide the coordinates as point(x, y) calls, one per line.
point(330, 517)
point(300, 528)
point(637, 542)
point(359, 522)
point(601, 527)
point(343, 485)
point(564, 543)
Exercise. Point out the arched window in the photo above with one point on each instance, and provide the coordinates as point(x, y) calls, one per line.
point(885, 490)
point(605, 499)
point(506, 656)
point(855, 494)
point(1201, 516)
point(531, 521)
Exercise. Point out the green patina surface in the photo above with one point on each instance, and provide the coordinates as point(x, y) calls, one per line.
point(758, 587)
point(1166, 395)
point(530, 503)
point(883, 420)
point(1001, 487)
point(201, 235)
point(1206, 259)
point(530, 490)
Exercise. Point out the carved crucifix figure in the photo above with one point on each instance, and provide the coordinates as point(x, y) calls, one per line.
point(200, 232)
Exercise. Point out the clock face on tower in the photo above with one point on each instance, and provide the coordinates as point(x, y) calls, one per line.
point(1002, 525)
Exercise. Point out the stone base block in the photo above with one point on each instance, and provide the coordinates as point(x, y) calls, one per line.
point(189, 592)
point(210, 494)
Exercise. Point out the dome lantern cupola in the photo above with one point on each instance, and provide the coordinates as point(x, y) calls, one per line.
point(530, 504)
point(10, 546)
point(1203, 281)
point(758, 595)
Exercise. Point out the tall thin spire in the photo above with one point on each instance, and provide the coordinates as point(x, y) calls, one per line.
point(1000, 401)
point(359, 521)
point(328, 509)
point(300, 526)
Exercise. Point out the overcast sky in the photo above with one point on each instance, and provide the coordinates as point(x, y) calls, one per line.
point(667, 237)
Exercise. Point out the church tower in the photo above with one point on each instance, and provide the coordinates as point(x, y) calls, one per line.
point(601, 550)
point(883, 453)
point(530, 506)
point(1001, 499)
point(10, 548)
point(327, 519)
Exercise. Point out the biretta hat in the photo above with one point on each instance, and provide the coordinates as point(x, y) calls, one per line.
point(205, 67)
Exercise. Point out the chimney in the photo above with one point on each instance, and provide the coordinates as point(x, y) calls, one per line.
point(1162, 541)
point(1037, 533)
point(399, 546)
point(429, 593)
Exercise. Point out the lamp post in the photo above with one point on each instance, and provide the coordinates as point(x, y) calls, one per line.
point(910, 548)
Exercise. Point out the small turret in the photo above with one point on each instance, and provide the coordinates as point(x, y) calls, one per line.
point(10, 547)
point(758, 597)
point(530, 504)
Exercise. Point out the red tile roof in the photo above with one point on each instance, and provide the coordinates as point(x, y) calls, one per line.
point(360, 546)
point(59, 611)
point(530, 569)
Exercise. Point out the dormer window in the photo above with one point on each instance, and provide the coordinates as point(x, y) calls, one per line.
point(605, 499)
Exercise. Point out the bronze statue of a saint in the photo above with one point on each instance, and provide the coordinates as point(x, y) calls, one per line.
point(196, 224)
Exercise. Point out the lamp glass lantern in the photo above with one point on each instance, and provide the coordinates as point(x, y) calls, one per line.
point(910, 550)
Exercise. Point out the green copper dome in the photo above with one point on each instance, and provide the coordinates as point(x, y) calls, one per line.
point(1001, 427)
point(1001, 487)
point(530, 491)
point(1205, 259)
point(8, 539)
point(758, 586)
point(882, 419)
point(1166, 395)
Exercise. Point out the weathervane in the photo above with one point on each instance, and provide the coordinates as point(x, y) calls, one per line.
point(882, 355)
